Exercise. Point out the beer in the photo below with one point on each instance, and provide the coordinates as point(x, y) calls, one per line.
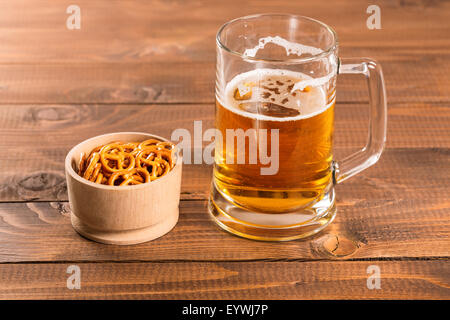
point(271, 99)
point(274, 171)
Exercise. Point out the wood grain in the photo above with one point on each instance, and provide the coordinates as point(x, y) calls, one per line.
point(167, 53)
point(243, 280)
point(169, 31)
point(364, 229)
point(413, 78)
point(149, 66)
point(36, 139)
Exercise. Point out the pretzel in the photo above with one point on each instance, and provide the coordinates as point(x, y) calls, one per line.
point(148, 143)
point(166, 145)
point(127, 163)
point(134, 176)
point(81, 164)
point(92, 162)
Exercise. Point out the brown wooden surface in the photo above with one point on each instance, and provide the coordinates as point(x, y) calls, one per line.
point(149, 66)
point(227, 280)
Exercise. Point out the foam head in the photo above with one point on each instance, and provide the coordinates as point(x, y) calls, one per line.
point(271, 94)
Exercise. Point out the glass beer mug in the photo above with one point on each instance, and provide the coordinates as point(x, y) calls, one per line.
point(274, 171)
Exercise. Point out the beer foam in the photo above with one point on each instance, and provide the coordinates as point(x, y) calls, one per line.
point(259, 82)
point(313, 82)
point(290, 47)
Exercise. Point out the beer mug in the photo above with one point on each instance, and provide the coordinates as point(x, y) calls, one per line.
point(274, 171)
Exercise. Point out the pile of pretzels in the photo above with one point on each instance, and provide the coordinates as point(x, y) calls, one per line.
point(130, 163)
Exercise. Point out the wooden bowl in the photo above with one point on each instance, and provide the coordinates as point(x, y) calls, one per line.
point(122, 214)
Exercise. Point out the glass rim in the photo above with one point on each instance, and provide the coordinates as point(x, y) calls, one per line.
point(324, 53)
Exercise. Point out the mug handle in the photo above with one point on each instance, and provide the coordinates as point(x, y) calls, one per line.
point(370, 154)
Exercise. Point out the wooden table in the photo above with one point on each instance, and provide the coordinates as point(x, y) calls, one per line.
point(150, 66)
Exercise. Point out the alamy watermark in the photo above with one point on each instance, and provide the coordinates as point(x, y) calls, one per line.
point(74, 280)
point(374, 20)
point(73, 22)
point(374, 280)
point(233, 149)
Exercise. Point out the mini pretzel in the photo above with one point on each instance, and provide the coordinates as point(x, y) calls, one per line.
point(145, 157)
point(115, 153)
point(164, 166)
point(167, 156)
point(82, 164)
point(148, 143)
point(96, 172)
point(129, 163)
point(166, 145)
point(130, 147)
point(134, 176)
point(92, 162)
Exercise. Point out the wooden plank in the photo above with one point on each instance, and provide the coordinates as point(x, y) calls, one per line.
point(372, 223)
point(43, 170)
point(204, 280)
point(107, 83)
point(36, 138)
point(395, 215)
point(167, 54)
point(184, 31)
point(408, 79)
